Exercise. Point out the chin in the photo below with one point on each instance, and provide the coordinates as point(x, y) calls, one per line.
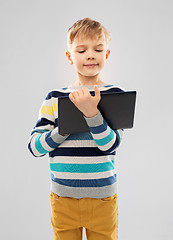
point(91, 74)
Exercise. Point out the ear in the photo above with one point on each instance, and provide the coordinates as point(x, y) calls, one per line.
point(107, 54)
point(68, 54)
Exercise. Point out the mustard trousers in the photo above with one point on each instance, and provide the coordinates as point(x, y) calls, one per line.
point(98, 216)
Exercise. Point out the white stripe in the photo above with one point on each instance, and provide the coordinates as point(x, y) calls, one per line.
point(120, 133)
point(61, 90)
point(86, 143)
point(50, 102)
point(57, 138)
point(55, 115)
point(34, 150)
point(47, 116)
point(54, 100)
point(96, 175)
point(81, 160)
point(47, 102)
point(78, 143)
point(108, 145)
point(101, 88)
point(70, 89)
point(46, 127)
point(44, 143)
point(103, 134)
point(107, 88)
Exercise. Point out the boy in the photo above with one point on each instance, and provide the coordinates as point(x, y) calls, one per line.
point(82, 165)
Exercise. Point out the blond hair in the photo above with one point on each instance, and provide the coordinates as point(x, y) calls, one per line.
point(87, 27)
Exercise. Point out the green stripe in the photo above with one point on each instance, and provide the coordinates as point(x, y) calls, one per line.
point(104, 141)
point(38, 145)
point(82, 168)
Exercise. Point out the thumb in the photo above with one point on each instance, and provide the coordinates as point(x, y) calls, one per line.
point(97, 91)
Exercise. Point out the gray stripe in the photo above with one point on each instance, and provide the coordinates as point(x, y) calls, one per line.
point(57, 137)
point(94, 121)
point(95, 192)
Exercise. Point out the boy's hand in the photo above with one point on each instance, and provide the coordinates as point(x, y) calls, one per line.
point(85, 102)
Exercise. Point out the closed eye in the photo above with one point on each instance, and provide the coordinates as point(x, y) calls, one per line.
point(84, 51)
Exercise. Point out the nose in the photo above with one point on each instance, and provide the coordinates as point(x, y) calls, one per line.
point(90, 55)
point(89, 58)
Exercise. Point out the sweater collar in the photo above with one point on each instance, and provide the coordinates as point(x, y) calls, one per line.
point(90, 87)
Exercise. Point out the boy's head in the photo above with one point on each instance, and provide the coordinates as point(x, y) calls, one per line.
point(87, 28)
point(87, 44)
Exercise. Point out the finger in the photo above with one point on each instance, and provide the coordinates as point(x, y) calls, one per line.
point(75, 94)
point(71, 97)
point(86, 91)
point(97, 91)
point(80, 91)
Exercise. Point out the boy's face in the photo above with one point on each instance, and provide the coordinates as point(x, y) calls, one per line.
point(88, 55)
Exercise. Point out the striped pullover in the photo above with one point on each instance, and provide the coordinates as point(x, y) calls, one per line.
point(82, 164)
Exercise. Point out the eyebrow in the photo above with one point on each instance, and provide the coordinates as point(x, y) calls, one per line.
point(85, 45)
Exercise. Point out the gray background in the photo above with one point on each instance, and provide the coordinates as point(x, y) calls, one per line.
point(33, 61)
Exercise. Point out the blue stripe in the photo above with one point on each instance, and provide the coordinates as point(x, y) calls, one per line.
point(65, 88)
point(39, 131)
point(118, 138)
point(43, 122)
point(110, 85)
point(85, 183)
point(111, 149)
point(105, 140)
point(112, 90)
point(115, 145)
point(50, 141)
point(99, 129)
point(57, 94)
point(82, 168)
point(38, 145)
point(56, 122)
point(29, 147)
point(78, 151)
point(81, 136)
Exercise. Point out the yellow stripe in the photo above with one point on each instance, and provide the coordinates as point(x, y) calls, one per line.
point(55, 107)
point(49, 109)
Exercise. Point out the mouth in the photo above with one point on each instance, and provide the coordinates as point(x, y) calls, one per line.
point(91, 65)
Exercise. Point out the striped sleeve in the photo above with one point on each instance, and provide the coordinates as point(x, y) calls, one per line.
point(44, 137)
point(106, 139)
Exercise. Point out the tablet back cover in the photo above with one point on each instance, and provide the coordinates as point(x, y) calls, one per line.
point(116, 108)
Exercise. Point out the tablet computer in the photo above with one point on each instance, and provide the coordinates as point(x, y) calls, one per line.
point(116, 108)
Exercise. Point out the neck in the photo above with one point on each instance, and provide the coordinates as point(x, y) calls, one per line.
point(84, 80)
